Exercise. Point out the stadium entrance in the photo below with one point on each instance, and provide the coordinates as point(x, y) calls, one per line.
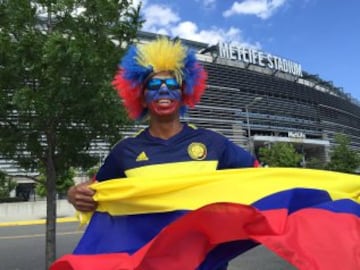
point(309, 148)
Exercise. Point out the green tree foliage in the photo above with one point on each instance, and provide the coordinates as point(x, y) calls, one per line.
point(57, 60)
point(6, 185)
point(63, 183)
point(315, 163)
point(343, 158)
point(90, 173)
point(280, 154)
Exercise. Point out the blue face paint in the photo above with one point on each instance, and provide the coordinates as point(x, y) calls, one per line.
point(163, 96)
point(157, 89)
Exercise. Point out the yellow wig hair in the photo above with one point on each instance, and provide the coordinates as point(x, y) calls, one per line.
point(144, 60)
point(171, 57)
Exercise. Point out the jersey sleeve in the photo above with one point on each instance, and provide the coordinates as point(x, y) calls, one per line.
point(110, 169)
point(234, 156)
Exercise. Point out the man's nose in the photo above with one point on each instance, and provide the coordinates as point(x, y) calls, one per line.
point(163, 89)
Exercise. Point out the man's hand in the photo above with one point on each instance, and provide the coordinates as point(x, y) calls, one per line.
point(80, 196)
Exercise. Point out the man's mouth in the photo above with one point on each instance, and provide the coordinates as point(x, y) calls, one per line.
point(164, 102)
point(164, 106)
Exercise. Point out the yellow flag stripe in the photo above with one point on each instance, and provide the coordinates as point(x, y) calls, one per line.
point(161, 194)
point(173, 168)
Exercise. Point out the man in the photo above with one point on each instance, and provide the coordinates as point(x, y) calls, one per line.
point(158, 80)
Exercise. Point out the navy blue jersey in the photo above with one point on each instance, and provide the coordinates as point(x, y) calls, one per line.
point(191, 150)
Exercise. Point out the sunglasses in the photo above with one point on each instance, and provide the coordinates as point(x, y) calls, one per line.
point(155, 84)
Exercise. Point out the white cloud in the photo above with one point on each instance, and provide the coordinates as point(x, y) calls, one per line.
point(263, 9)
point(157, 15)
point(209, 3)
point(135, 3)
point(185, 29)
point(162, 20)
point(189, 30)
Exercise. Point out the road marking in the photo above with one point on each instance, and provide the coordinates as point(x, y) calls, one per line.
point(37, 222)
point(36, 235)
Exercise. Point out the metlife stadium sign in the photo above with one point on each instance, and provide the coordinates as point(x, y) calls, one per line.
point(260, 58)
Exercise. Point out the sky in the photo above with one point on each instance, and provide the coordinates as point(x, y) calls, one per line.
point(323, 36)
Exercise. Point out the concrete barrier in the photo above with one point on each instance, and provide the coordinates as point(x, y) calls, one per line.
point(32, 210)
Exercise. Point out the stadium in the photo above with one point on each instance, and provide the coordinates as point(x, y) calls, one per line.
point(256, 99)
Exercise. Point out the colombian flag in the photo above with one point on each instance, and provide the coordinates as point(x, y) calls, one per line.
point(200, 221)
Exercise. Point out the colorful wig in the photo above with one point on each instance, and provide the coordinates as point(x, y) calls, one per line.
point(144, 60)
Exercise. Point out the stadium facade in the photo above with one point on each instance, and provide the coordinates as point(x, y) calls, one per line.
point(256, 99)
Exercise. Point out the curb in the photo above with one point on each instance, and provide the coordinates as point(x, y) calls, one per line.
point(37, 221)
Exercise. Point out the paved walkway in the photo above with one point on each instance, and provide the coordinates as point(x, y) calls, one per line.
point(33, 212)
point(36, 221)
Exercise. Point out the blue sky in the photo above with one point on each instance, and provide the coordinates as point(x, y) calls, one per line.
point(321, 35)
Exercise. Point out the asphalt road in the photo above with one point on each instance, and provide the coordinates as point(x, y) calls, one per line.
point(23, 248)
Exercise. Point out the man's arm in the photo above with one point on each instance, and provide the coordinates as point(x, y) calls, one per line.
point(234, 156)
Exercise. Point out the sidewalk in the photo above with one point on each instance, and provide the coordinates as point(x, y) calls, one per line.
point(36, 222)
point(27, 213)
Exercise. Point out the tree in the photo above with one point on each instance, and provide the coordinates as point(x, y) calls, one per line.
point(63, 183)
point(57, 60)
point(342, 158)
point(6, 185)
point(280, 154)
point(315, 163)
point(92, 172)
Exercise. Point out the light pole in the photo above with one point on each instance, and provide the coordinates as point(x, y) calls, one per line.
point(256, 99)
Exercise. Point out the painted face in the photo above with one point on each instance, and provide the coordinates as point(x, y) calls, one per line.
point(163, 95)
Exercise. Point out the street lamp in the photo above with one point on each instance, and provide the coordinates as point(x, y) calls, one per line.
point(256, 99)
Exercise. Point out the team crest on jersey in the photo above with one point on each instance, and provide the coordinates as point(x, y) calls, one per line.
point(197, 151)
